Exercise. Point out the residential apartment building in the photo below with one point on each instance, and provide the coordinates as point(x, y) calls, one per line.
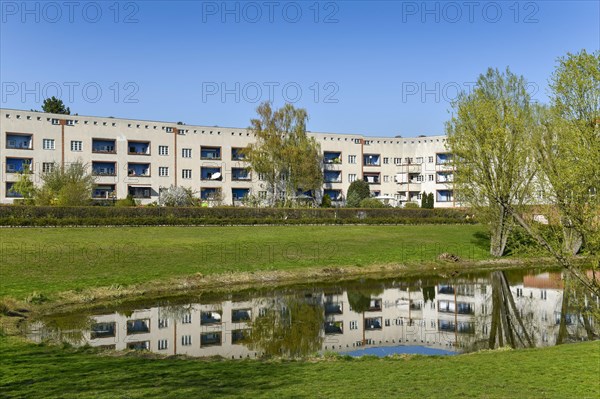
point(139, 158)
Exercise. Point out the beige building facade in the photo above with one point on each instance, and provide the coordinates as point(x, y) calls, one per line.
point(139, 158)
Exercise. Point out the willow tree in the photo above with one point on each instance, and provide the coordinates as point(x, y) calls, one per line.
point(283, 153)
point(567, 150)
point(488, 136)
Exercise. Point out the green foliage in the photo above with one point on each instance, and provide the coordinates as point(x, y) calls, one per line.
point(24, 186)
point(427, 200)
point(488, 137)
point(54, 105)
point(291, 327)
point(372, 203)
point(283, 153)
point(326, 201)
point(568, 148)
point(69, 186)
point(358, 191)
point(126, 202)
point(411, 205)
point(123, 214)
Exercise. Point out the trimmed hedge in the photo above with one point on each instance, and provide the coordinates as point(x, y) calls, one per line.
point(18, 215)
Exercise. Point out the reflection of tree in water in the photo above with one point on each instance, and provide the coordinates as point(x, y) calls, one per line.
point(67, 328)
point(507, 324)
point(289, 327)
point(359, 300)
point(578, 309)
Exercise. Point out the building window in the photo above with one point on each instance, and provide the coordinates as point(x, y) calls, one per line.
point(386, 160)
point(163, 150)
point(354, 325)
point(48, 144)
point(76, 146)
point(186, 152)
point(163, 344)
point(398, 161)
point(430, 177)
point(419, 160)
point(47, 167)
point(262, 194)
point(186, 173)
point(163, 323)
point(261, 177)
point(351, 177)
point(430, 159)
point(386, 178)
point(186, 319)
point(186, 340)
point(420, 178)
point(163, 171)
point(351, 158)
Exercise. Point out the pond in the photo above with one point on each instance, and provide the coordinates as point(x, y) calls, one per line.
point(418, 315)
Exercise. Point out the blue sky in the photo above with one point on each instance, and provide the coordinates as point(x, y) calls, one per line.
point(375, 68)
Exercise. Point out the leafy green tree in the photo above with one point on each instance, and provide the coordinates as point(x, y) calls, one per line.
point(24, 185)
point(69, 186)
point(358, 191)
point(54, 105)
point(488, 136)
point(567, 150)
point(568, 146)
point(283, 153)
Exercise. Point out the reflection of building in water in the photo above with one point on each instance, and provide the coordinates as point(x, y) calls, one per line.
point(444, 316)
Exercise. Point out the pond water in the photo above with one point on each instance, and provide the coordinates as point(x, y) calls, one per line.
point(426, 315)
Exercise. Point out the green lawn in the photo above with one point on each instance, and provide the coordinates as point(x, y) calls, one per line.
point(566, 371)
point(49, 260)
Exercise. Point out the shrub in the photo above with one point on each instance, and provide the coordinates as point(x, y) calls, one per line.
point(371, 203)
point(128, 201)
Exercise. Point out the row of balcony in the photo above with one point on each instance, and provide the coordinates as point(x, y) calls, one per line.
point(138, 147)
point(134, 147)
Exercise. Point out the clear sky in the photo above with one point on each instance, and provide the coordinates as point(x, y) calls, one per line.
point(375, 68)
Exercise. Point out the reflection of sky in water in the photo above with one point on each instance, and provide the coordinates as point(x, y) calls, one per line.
point(399, 350)
point(428, 316)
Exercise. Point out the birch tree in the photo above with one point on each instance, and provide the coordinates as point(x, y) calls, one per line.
point(283, 154)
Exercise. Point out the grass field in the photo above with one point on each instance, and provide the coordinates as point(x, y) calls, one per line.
point(49, 260)
point(34, 371)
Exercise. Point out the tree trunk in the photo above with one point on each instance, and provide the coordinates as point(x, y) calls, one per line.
point(573, 240)
point(500, 234)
